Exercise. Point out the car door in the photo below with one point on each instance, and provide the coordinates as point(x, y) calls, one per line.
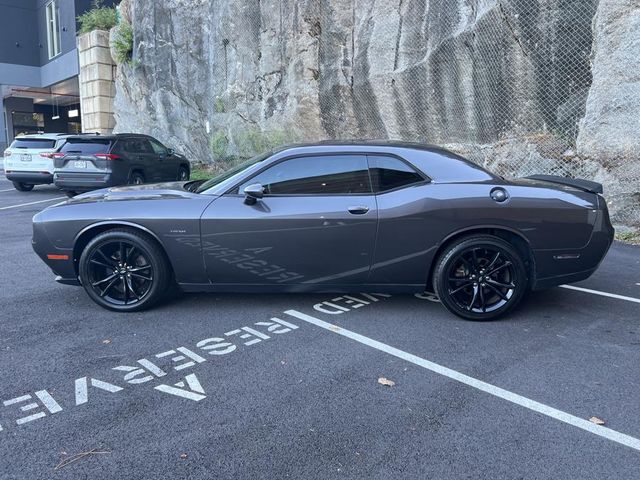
point(142, 158)
point(315, 225)
point(409, 222)
point(167, 164)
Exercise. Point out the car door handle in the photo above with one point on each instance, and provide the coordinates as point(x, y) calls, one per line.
point(358, 210)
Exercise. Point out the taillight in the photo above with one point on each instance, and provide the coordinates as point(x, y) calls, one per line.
point(53, 155)
point(7, 153)
point(107, 156)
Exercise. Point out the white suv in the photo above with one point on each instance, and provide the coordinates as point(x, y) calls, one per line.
point(29, 159)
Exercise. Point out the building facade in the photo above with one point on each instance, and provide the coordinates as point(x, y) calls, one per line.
point(39, 67)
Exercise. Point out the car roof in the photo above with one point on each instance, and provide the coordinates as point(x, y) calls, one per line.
point(46, 136)
point(367, 143)
point(114, 136)
point(364, 143)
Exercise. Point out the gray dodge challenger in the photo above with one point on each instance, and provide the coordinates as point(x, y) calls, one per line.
point(383, 217)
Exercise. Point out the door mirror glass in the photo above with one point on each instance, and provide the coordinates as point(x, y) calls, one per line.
point(253, 192)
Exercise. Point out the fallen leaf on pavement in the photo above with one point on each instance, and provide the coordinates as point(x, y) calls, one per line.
point(107, 341)
point(386, 382)
point(183, 456)
point(596, 420)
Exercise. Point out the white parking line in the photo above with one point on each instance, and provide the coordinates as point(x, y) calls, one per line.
point(603, 294)
point(525, 402)
point(32, 203)
point(8, 190)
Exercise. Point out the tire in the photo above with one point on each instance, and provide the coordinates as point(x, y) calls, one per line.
point(70, 193)
point(183, 173)
point(135, 284)
point(480, 277)
point(136, 179)
point(23, 187)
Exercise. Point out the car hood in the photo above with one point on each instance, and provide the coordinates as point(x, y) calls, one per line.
point(152, 191)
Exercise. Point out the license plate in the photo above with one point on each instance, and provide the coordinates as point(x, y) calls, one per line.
point(25, 157)
point(80, 164)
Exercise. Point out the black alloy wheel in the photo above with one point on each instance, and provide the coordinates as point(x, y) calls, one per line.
point(480, 278)
point(136, 179)
point(23, 187)
point(183, 173)
point(124, 270)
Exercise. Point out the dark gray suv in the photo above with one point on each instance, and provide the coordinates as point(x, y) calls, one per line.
point(87, 163)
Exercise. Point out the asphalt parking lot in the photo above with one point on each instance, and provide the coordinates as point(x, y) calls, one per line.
point(285, 386)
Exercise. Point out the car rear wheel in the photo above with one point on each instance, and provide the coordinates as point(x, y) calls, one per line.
point(23, 187)
point(123, 270)
point(480, 277)
point(183, 173)
point(136, 179)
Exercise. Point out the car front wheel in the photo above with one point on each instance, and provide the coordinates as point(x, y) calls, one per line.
point(23, 187)
point(124, 270)
point(480, 277)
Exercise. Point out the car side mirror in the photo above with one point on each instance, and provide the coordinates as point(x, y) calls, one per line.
point(253, 193)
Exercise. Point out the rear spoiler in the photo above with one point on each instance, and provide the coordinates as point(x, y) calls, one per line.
point(585, 185)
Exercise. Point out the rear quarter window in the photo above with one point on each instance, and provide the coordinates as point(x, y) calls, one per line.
point(88, 147)
point(35, 143)
point(389, 173)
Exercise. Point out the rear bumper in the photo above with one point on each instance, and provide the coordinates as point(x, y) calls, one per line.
point(36, 178)
point(83, 181)
point(557, 267)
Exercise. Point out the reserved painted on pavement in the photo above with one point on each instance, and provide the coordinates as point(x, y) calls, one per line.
point(32, 406)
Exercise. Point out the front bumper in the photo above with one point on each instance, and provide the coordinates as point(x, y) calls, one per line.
point(35, 178)
point(63, 268)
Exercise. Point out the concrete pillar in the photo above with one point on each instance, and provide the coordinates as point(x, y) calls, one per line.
point(97, 82)
point(3, 128)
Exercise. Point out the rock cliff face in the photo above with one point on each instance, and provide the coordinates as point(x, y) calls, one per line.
point(209, 75)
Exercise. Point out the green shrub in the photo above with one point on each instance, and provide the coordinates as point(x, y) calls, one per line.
point(219, 144)
point(122, 42)
point(98, 18)
point(219, 105)
point(253, 142)
point(200, 172)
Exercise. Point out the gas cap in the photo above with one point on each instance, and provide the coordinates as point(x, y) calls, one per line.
point(499, 194)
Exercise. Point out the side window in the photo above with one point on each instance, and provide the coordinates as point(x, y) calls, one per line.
point(118, 147)
point(138, 145)
point(146, 146)
point(321, 175)
point(158, 148)
point(53, 28)
point(388, 173)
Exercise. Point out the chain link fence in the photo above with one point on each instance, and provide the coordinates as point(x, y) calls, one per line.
point(510, 84)
point(504, 83)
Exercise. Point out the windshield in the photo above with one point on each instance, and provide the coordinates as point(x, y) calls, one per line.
point(218, 179)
